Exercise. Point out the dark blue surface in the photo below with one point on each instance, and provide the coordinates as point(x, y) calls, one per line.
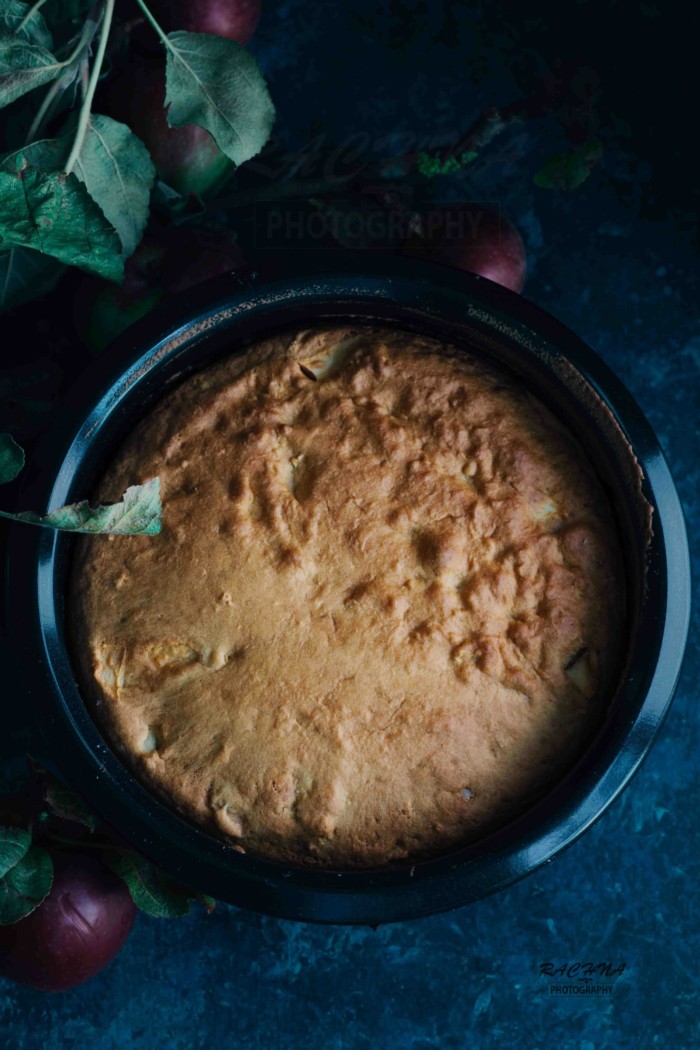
point(617, 262)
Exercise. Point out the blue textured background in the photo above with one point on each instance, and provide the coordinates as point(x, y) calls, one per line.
point(618, 262)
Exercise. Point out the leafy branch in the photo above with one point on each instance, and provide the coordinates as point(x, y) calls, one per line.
point(82, 198)
point(79, 190)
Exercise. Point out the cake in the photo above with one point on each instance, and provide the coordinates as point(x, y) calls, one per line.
point(384, 614)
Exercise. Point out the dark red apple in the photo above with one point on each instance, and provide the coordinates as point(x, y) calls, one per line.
point(187, 158)
point(103, 310)
point(475, 238)
point(194, 254)
point(167, 262)
point(74, 933)
point(235, 19)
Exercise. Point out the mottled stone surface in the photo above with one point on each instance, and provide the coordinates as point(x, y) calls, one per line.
point(619, 266)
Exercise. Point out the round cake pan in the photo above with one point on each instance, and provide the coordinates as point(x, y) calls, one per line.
point(226, 315)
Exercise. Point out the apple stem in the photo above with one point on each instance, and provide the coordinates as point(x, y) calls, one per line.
point(56, 88)
point(63, 82)
point(161, 32)
point(84, 70)
point(84, 117)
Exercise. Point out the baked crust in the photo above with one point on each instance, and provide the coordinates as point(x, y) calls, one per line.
point(384, 612)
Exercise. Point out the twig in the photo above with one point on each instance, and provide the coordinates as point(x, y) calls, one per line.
point(161, 32)
point(487, 127)
point(64, 81)
point(56, 89)
point(84, 117)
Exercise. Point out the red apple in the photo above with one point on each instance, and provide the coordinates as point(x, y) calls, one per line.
point(187, 158)
point(472, 237)
point(167, 262)
point(74, 933)
point(193, 254)
point(235, 19)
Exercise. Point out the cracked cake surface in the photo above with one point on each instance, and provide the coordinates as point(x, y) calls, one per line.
point(384, 612)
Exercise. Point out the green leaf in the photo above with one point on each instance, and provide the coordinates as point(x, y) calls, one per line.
point(25, 275)
point(114, 166)
point(65, 803)
point(217, 84)
point(118, 173)
point(14, 843)
point(568, 171)
point(150, 890)
point(34, 31)
point(25, 885)
point(11, 458)
point(53, 213)
point(44, 155)
point(23, 67)
point(138, 513)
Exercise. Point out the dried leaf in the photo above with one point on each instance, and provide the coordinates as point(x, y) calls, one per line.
point(138, 513)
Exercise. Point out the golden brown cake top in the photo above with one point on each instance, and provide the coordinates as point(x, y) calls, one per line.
point(384, 610)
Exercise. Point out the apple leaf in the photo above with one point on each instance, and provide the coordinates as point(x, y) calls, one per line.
point(25, 275)
point(14, 843)
point(53, 213)
point(150, 890)
point(34, 30)
point(217, 84)
point(23, 67)
point(118, 173)
point(568, 171)
point(114, 166)
point(44, 155)
point(25, 884)
point(138, 513)
point(11, 458)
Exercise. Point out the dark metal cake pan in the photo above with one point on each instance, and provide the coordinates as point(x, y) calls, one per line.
point(225, 316)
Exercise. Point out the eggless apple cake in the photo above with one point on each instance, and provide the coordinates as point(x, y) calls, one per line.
point(384, 613)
